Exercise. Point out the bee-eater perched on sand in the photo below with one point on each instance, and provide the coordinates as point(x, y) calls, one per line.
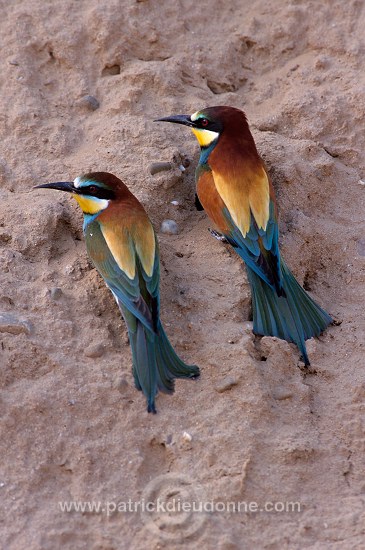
point(234, 188)
point(122, 245)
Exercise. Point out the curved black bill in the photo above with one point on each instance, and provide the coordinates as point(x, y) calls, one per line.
point(59, 185)
point(177, 119)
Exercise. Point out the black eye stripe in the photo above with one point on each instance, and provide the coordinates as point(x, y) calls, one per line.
point(96, 191)
point(206, 124)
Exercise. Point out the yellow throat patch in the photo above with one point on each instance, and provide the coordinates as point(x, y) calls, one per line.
point(204, 137)
point(91, 205)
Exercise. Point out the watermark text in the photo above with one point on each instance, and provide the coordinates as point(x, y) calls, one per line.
point(177, 506)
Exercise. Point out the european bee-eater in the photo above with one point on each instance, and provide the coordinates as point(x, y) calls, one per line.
point(234, 188)
point(123, 247)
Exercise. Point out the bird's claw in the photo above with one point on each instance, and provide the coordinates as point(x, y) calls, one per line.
point(218, 235)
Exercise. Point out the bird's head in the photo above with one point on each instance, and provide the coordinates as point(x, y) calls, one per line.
point(92, 191)
point(210, 123)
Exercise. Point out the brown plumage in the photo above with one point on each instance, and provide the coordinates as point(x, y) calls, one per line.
point(123, 247)
point(234, 188)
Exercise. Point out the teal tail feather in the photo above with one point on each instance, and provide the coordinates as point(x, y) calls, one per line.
point(155, 363)
point(294, 317)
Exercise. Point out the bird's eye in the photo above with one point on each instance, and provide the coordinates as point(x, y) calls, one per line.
point(92, 189)
point(204, 122)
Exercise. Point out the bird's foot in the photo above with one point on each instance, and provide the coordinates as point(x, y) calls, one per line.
point(195, 375)
point(306, 368)
point(336, 322)
point(218, 235)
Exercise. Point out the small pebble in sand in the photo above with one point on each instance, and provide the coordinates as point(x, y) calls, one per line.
point(281, 394)
point(90, 102)
point(55, 293)
point(247, 327)
point(121, 384)
point(186, 437)
point(13, 325)
point(361, 247)
point(226, 384)
point(94, 351)
point(175, 203)
point(157, 167)
point(169, 227)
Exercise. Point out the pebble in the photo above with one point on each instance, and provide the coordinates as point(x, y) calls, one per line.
point(169, 227)
point(157, 167)
point(226, 384)
point(94, 351)
point(55, 293)
point(175, 203)
point(187, 437)
point(361, 247)
point(90, 102)
point(121, 385)
point(13, 325)
point(248, 327)
point(281, 394)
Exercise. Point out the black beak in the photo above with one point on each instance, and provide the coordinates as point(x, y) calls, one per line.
point(177, 119)
point(59, 185)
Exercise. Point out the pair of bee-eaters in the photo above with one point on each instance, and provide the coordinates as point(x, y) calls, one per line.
point(235, 190)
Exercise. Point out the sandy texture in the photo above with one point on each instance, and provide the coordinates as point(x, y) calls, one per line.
point(257, 428)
